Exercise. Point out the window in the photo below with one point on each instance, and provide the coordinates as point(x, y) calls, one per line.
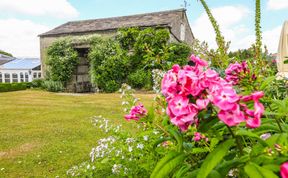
point(182, 32)
point(34, 75)
point(7, 78)
point(14, 78)
point(0, 77)
point(26, 77)
point(21, 77)
point(39, 75)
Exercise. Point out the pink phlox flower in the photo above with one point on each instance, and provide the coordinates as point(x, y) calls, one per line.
point(198, 61)
point(232, 117)
point(189, 82)
point(253, 118)
point(197, 136)
point(202, 103)
point(179, 105)
point(234, 71)
point(183, 121)
point(254, 96)
point(226, 98)
point(169, 84)
point(136, 112)
point(284, 170)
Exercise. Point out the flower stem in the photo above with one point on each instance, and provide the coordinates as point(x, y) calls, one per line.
point(277, 121)
point(237, 140)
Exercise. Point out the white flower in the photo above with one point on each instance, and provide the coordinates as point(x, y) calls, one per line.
point(145, 137)
point(265, 136)
point(116, 168)
point(156, 132)
point(130, 148)
point(140, 146)
point(129, 140)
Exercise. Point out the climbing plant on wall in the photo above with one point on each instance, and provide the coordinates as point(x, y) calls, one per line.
point(128, 57)
point(61, 61)
point(109, 64)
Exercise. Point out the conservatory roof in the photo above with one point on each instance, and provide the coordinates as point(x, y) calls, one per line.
point(4, 59)
point(25, 63)
point(163, 18)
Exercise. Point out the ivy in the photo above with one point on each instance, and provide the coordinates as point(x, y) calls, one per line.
point(129, 57)
point(61, 61)
point(109, 65)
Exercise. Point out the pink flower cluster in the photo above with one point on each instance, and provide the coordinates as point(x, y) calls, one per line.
point(235, 72)
point(191, 89)
point(198, 136)
point(284, 170)
point(136, 112)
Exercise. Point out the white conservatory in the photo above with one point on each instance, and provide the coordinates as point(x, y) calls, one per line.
point(20, 70)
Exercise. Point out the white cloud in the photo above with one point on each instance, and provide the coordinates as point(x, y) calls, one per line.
point(277, 4)
point(228, 17)
point(53, 8)
point(271, 38)
point(19, 37)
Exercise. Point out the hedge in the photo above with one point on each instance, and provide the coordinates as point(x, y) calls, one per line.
point(6, 87)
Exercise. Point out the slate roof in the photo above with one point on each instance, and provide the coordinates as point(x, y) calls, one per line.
point(4, 59)
point(164, 18)
point(26, 63)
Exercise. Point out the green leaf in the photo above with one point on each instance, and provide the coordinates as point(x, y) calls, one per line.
point(252, 171)
point(250, 134)
point(278, 139)
point(267, 82)
point(161, 140)
point(166, 165)
point(178, 137)
point(182, 171)
point(214, 158)
point(214, 174)
point(226, 166)
point(255, 171)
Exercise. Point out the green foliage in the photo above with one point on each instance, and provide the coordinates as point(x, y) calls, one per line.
point(62, 60)
point(221, 58)
point(167, 164)
point(53, 86)
point(178, 54)
point(109, 65)
point(214, 158)
point(5, 53)
point(149, 48)
point(286, 60)
point(37, 83)
point(127, 37)
point(6, 87)
point(140, 79)
point(258, 32)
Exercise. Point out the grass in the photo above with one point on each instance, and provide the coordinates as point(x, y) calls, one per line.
point(43, 134)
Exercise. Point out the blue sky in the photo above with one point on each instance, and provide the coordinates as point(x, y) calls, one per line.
point(22, 20)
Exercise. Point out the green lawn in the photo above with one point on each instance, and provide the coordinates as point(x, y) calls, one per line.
point(43, 134)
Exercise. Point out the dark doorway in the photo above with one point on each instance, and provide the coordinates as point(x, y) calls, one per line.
point(80, 82)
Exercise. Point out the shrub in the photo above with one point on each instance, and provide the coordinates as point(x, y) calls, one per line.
point(53, 86)
point(139, 79)
point(108, 64)
point(61, 60)
point(37, 83)
point(6, 87)
point(111, 86)
point(178, 53)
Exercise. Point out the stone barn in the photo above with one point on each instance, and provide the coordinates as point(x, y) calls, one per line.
point(174, 20)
